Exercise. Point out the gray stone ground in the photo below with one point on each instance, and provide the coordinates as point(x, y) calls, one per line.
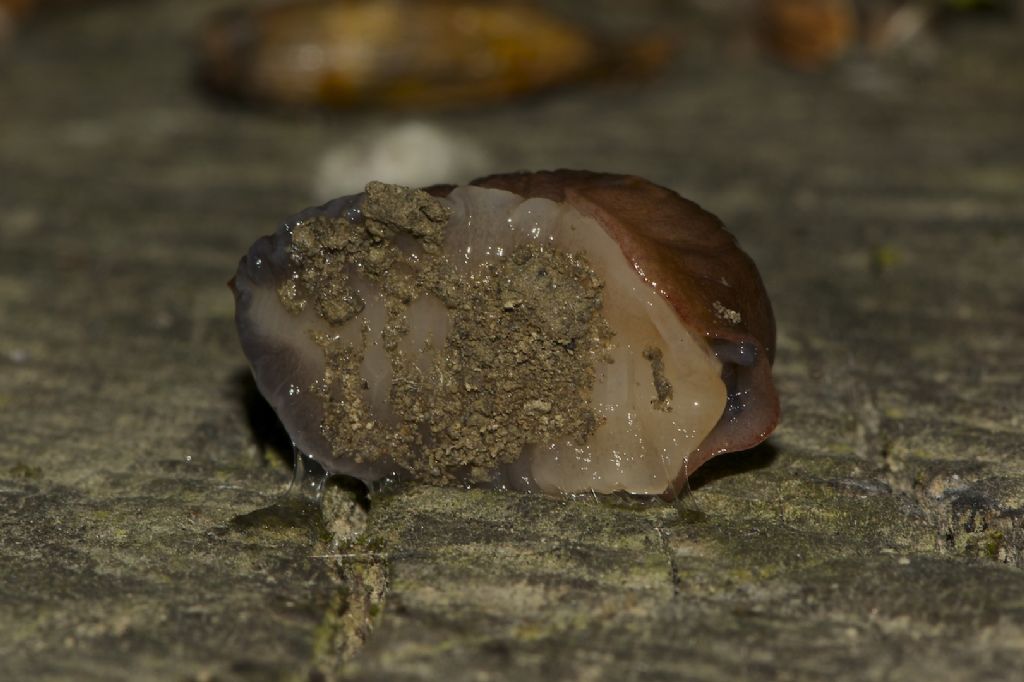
point(878, 535)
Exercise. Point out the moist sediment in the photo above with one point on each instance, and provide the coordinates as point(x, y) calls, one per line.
point(525, 332)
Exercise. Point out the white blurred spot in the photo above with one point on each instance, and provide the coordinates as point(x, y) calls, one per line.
point(17, 355)
point(414, 154)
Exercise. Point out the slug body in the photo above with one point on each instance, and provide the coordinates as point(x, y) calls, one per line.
point(558, 331)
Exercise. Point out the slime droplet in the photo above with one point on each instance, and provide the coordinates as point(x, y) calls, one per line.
point(308, 478)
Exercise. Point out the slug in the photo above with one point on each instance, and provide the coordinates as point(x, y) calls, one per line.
point(404, 53)
point(563, 332)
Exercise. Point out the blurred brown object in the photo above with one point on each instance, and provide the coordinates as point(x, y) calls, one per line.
point(14, 13)
point(808, 34)
point(16, 8)
point(405, 53)
point(11, 11)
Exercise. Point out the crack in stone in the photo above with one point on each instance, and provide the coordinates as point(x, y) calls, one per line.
point(663, 536)
point(353, 614)
point(361, 586)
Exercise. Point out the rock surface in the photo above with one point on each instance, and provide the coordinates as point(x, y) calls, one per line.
point(878, 535)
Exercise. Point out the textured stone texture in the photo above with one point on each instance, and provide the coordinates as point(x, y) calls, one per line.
point(877, 536)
